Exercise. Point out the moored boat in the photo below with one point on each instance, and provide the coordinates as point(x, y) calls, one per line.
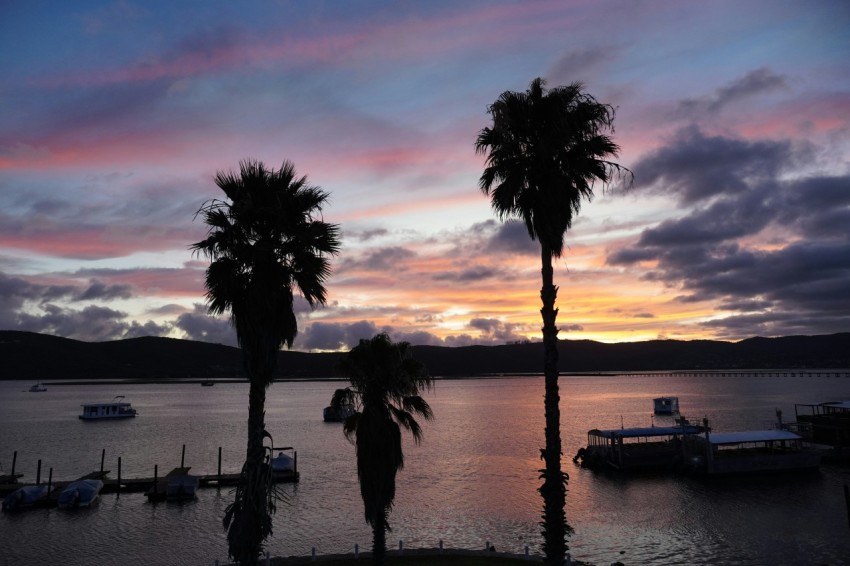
point(666, 405)
point(752, 451)
point(115, 409)
point(24, 497)
point(37, 388)
point(655, 447)
point(80, 493)
point(285, 466)
point(181, 487)
point(337, 413)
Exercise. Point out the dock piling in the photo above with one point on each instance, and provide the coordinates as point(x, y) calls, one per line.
point(38, 473)
point(219, 464)
point(49, 480)
point(155, 478)
point(183, 457)
point(102, 457)
point(118, 485)
point(14, 461)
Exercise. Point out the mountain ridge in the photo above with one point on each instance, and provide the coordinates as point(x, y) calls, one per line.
point(28, 355)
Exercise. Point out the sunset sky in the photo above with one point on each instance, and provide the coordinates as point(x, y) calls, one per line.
point(733, 116)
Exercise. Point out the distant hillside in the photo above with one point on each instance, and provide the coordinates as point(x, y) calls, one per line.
point(26, 355)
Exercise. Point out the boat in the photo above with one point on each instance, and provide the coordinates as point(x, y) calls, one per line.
point(332, 414)
point(116, 409)
point(666, 405)
point(37, 388)
point(825, 423)
point(655, 447)
point(24, 497)
point(752, 451)
point(207, 383)
point(181, 487)
point(284, 466)
point(80, 493)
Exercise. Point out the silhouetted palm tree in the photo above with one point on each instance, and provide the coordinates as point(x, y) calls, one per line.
point(386, 382)
point(265, 241)
point(544, 152)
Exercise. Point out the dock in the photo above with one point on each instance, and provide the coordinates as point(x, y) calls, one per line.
point(154, 486)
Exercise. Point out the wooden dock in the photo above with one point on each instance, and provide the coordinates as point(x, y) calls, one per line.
point(152, 486)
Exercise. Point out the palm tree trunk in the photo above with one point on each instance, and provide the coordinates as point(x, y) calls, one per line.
point(379, 540)
point(553, 489)
point(247, 532)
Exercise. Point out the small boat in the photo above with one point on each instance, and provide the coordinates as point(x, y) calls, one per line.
point(37, 388)
point(207, 383)
point(284, 466)
point(116, 409)
point(330, 414)
point(666, 405)
point(181, 487)
point(24, 497)
point(80, 493)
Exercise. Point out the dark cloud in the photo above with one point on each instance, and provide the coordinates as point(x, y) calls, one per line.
point(335, 336)
point(495, 331)
point(755, 83)
point(771, 249)
point(694, 167)
point(199, 325)
point(511, 237)
point(473, 273)
point(391, 258)
point(99, 291)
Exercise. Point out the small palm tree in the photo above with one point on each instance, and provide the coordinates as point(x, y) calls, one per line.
point(386, 382)
point(264, 242)
point(544, 152)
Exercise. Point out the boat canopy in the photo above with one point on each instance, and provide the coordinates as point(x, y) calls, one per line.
point(646, 431)
point(845, 405)
point(752, 436)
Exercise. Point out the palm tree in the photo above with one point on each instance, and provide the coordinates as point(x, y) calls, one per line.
point(265, 241)
point(386, 382)
point(545, 150)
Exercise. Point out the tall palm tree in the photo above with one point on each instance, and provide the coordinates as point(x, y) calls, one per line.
point(545, 150)
point(386, 382)
point(265, 242)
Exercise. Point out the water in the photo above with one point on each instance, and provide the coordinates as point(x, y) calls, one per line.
point(472, 480)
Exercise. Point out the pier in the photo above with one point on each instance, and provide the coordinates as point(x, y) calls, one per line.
point(154, 486)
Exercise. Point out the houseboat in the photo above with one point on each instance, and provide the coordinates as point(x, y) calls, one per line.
point(755, 451)
point(656, 447)
point(666, 405)
point(825, 423)
point(116, 409)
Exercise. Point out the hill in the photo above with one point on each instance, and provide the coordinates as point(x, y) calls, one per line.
point(26, 355)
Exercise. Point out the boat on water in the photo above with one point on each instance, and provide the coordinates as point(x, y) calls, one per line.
point(752, 451)
point(332, 414)
point(825, 423)
point(284, 466)
point(115, 409)
point(655, 447)
point(207, 383)
point(80, 493)
point(666, 405)
point(37, 388)
point(180, 487)
point(24, 497)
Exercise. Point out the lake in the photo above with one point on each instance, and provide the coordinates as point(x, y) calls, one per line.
point(473, 479)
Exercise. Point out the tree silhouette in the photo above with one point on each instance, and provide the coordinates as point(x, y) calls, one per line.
point(545, 150)
point(386, 382)
point(265, 242)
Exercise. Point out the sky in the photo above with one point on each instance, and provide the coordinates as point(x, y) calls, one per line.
point(733, 116)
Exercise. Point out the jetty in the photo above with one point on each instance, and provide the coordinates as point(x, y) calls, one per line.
point(154, 487)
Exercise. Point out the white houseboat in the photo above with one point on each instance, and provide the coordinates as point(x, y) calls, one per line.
point(666, 405)
point(116, 409)
point(638, 448)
